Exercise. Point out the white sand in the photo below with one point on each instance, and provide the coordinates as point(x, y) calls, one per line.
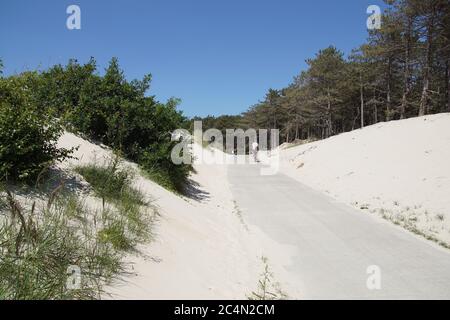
point(399, 170)
point(201, 248)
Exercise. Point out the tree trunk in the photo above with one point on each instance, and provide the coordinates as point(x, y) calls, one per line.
point(375, 115)
point(406, 78)
point(388, 94)
point(354, 119)
point(362, 100)
point(428, 62)
point(330, 125)
point(424, 98)
point(447, 80)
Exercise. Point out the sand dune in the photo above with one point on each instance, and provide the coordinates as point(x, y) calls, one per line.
point(399, 170)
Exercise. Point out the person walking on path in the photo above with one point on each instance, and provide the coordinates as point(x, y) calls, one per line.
point(255, 151)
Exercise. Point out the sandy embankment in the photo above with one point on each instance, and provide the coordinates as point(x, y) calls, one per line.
point(399, 170)
point(201, 248)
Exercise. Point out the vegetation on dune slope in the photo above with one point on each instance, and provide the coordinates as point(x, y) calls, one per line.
point(105, 108)
point(46, 236)
point(113, 184)
point(43, 243)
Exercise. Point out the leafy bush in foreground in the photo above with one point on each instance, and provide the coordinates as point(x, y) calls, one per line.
point(27, 137)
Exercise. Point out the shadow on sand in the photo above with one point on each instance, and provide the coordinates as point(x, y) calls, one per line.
point(194, 191)
point(54, 178)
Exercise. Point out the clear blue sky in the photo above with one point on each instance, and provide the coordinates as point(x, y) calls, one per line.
point(218, 56)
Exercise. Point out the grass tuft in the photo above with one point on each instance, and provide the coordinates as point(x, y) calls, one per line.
point(60, 248)
point(40, 244)
point(128, 223)
point(267, 288)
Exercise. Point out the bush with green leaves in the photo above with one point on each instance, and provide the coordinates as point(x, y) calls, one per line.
point(118, 113)
point(28, 136)
point(105, 108)
point(158, 165)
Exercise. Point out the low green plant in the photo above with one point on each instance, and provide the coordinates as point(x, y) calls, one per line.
point(267, 288)
point(41, 243)
point(128, 223)
point(109, 182)
point(115, 234)
point(159, 167)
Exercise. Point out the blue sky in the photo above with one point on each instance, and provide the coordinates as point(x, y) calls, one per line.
point(218, 56)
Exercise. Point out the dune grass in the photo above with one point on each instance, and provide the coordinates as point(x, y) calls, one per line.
point(43, 242)
point(39, 245)
point(127, 222)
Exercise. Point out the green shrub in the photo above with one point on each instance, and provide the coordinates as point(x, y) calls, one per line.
point(105, 108)
point(156, 161)
point(118, 113)
point(27, 136)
